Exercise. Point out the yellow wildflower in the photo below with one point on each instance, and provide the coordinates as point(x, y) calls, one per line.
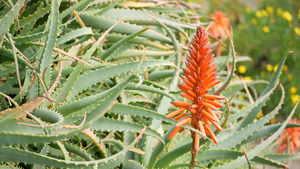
point(258, 14)
point(295, 98)
point(290, 76)
point(270, 9)
point(262, 74)
point(272, 121)
point(287, 15)
point(266, 29)
point(293, 90)
point(254, 21)
point(264, 13)
point(297, 30)
point(243, 107)
point(248, 10)
point(269, 67)
point(242, 69)
point(240, 97)
point(259, 115)
point(285, 68)
point(279, 11)
point(248, 78)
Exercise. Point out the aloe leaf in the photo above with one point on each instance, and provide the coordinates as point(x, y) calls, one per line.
point(76, 150)
point(230, 75)
point(165, 160)
point(209, 155)
point(48, 116)
point(134, 86)
point(8, 84)
point(163, 103)
point(240, 135)
point(68, 11)
point(8, 55)
point(18, 111)
point(29, 38)
point(108, 52)
point(141, 17)
point(45, 64)
point(88, 79)
point(253, 114)
point(261, 147)
point(64, 91)
point(283, 157)
point(100, 22)
point(139, 53)
point(95, 115)
point(73, 34)
point(108, 8)
point(24, 138)
point(107, 124)
point(8, 18)
point(11, 154)
point(222, 59)
point(267, 130)
point(255, 107)
point(25, 87)
point(131, 164)
point(137, 40)
point(35, 16)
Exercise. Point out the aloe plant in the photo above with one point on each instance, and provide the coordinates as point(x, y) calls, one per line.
point(84, 87)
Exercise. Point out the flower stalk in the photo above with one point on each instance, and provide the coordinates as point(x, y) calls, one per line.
point(201, 109)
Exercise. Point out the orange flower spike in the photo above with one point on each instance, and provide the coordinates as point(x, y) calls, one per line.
point(198, 77)
point(174, 113)
point(293, 134)
point(216, 27)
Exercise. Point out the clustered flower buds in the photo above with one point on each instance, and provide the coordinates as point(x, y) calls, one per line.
point(199, 76)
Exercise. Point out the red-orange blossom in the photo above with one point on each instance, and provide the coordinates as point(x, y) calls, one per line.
point(199, 76)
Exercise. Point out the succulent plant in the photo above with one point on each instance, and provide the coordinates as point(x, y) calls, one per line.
point(87, 84)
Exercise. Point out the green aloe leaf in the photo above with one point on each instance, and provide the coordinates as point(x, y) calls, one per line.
point(261, 147)
point(103, 23)
point(45, 64)
point(267, 130)
point(237, 137)
point(210, 155)
point(88, 79)
point(8, 18)
point(141, 17)
point(117, 45)
point(11, 154)
point(107, 124)
point(73, 34)
point(253, 114)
